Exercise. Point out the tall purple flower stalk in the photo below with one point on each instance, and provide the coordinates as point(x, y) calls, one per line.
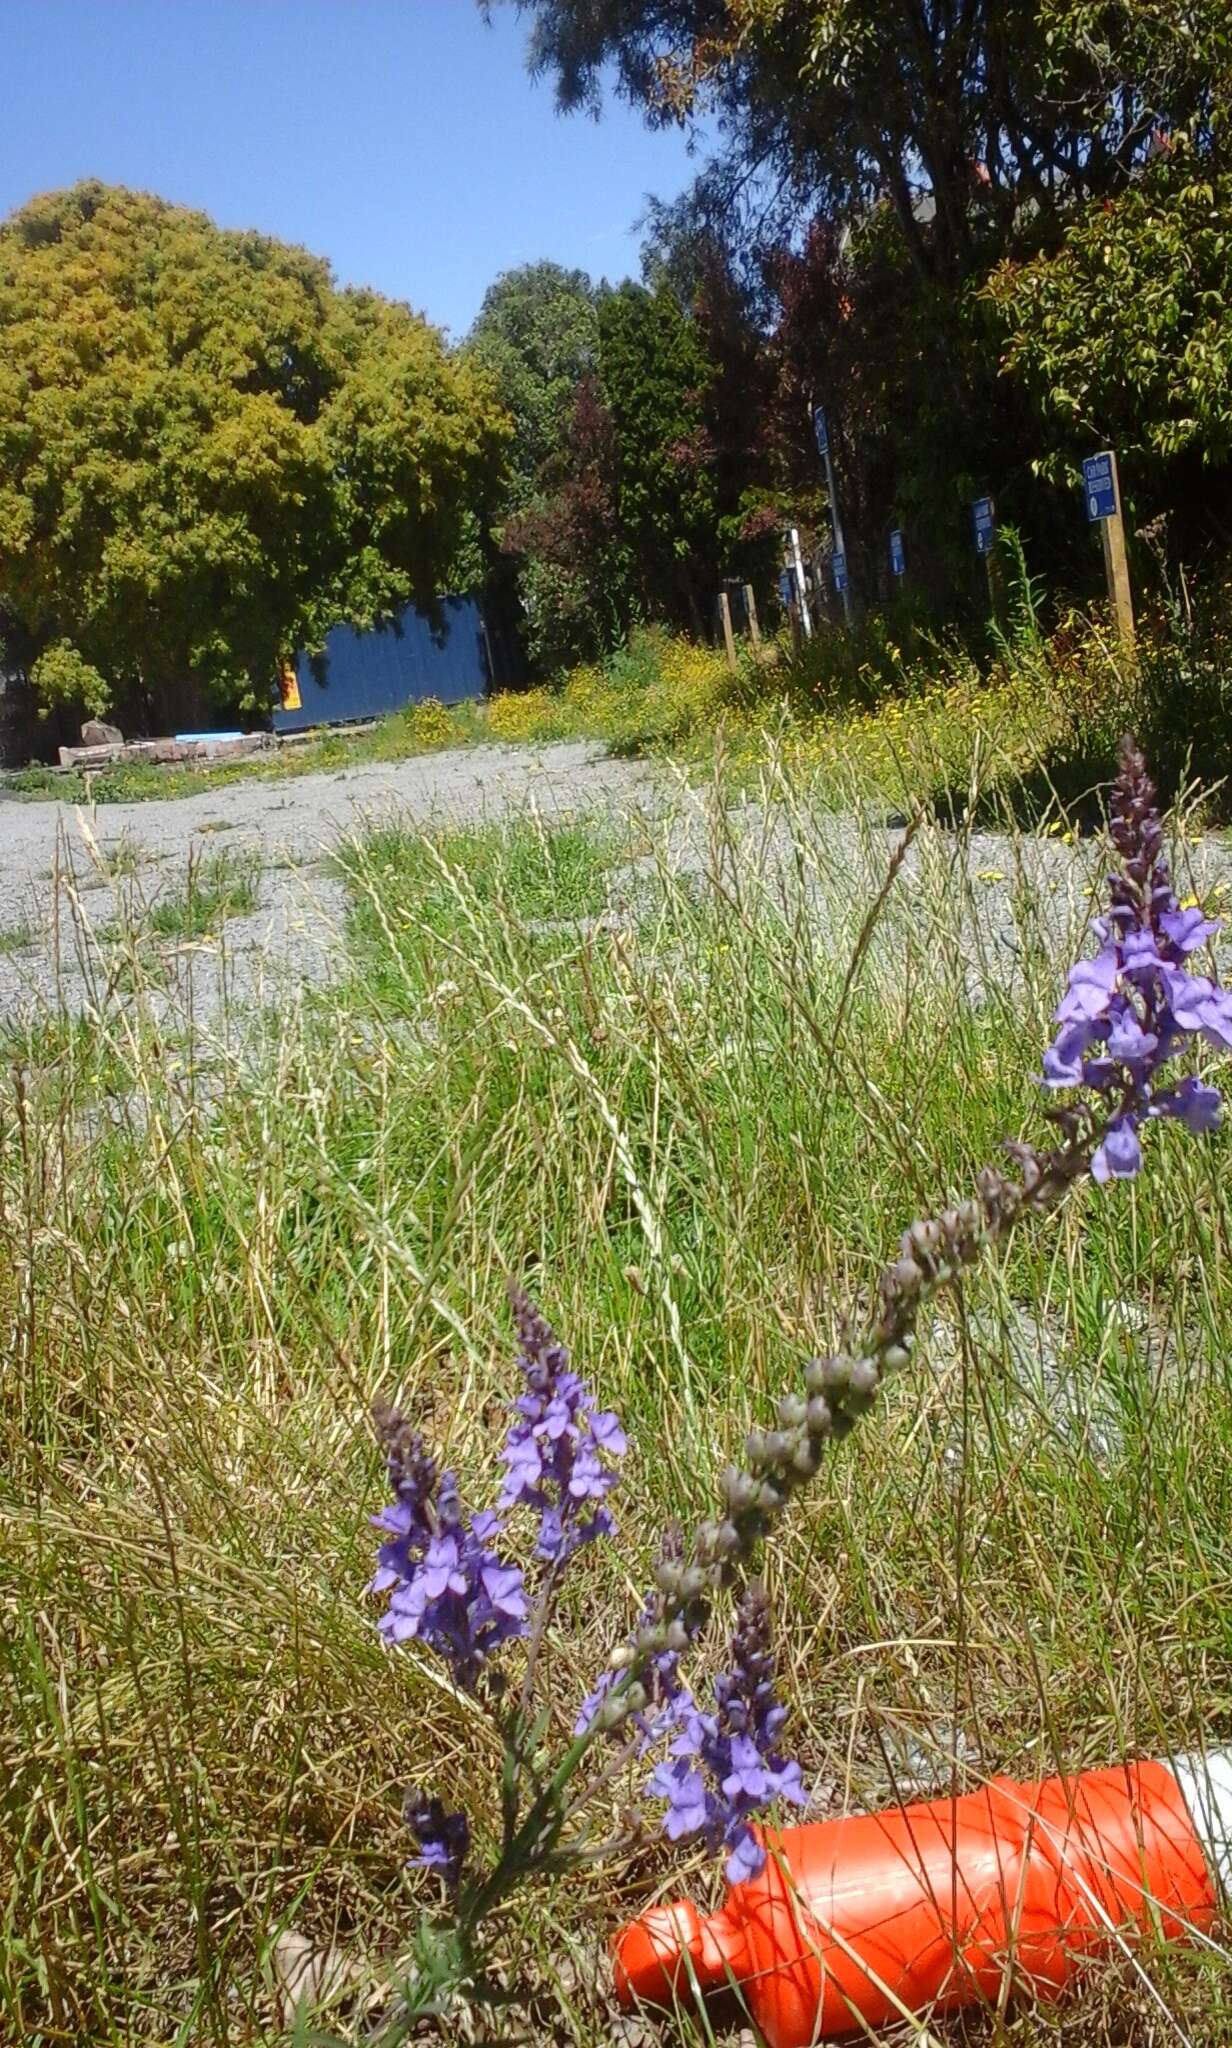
point(449, 1587)
point(558, 1453)
point(1138, 1004)
point(727, 1766)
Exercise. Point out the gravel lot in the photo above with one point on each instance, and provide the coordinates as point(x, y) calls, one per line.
point(50, 866)
point(62, 869)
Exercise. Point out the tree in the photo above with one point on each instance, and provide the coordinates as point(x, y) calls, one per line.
point(208, 453)
point(963, 115)
point(537, 335)
point(611, 510)
point(655, 375)
point(1123, 338)
point(571, 543)
point(879, 159)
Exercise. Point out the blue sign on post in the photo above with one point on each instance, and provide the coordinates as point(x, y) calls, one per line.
point(984, 524)
point(1099, 487)
point(822, 430)
point(898, 555)
point(838, 569)
point(787, 589)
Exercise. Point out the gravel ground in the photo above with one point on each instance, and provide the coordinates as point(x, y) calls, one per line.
point(62, 869)
point(50, 863)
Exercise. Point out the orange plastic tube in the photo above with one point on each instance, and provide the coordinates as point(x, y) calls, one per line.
point(858, 1922)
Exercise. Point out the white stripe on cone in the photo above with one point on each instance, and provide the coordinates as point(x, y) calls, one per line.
point(1206, 1787)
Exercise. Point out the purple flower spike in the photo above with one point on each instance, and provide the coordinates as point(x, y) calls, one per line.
point(448, 1587)
point(559, 1451)
point(1136, 1005)
point(727, 1765)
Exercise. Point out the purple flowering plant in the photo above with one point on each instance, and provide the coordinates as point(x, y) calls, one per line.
point(455, 1589)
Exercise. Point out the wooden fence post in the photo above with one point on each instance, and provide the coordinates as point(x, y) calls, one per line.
point(729, 638)
point(750, 607)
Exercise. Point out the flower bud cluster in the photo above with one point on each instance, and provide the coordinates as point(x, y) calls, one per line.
point(444, 1838)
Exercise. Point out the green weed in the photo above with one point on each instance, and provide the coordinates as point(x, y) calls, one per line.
point(219, 886)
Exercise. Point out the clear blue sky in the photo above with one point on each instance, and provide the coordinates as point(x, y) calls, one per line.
point(399, 138)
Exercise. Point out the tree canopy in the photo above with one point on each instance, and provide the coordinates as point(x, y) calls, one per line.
point(888, 173)
point(610, 507)
point(537, 333)
point(210, 454)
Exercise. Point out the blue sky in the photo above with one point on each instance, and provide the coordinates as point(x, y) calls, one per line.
point(400, 138)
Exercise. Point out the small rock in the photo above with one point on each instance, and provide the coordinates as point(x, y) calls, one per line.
point(97, 733)
point(307, 1975)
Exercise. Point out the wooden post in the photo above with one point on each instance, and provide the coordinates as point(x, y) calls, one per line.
point(797, 638)
point(1116, 565)
point(750, 612)
point(729, 638)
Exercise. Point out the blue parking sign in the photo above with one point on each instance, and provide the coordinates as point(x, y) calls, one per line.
point(984, 525)
point(898, 555)
point(1099, 487)
point(787, 589)
point(838, 569)
point(821, 428)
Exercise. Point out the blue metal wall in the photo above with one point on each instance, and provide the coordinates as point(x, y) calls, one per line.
point(364, 674)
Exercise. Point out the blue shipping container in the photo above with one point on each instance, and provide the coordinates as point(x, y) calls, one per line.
point(366, 674)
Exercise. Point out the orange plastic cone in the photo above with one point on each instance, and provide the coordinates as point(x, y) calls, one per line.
point(854, 1923)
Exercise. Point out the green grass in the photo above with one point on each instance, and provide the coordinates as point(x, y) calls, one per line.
point(697, 1140)
point(218, 886)
point(16, 938)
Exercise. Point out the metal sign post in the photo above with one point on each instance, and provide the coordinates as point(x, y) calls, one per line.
point(1101, 487)
point(821, 428)
point(984, 527)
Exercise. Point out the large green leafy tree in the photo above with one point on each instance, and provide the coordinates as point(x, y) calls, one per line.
point(655, 377)
point(208, 453)
point(536, 335)
point(611, 510)
point(1119, 325)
